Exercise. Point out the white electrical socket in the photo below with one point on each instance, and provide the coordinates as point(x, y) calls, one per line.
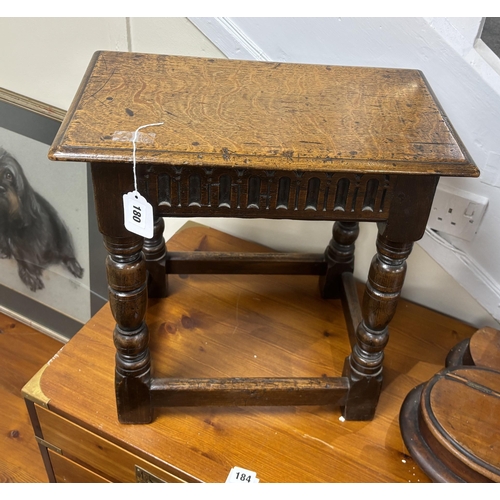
point(457, 212)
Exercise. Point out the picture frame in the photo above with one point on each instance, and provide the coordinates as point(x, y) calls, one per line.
point(52, 265)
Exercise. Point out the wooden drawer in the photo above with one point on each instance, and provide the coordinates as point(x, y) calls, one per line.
point(77, 454)
point(67, 471)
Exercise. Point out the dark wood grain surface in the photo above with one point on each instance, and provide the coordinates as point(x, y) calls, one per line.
point(218, 112)
point(473, 426)
point(23, 351)
point(450, 423)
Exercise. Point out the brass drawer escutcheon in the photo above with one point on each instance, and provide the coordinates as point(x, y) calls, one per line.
point(143, 476)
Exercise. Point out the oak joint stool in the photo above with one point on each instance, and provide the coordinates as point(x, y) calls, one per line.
point(258, 140)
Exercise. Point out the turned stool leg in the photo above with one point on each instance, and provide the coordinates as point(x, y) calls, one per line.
point(155, 253)
point(127, 279)
point(364, 366)
point(339, 256)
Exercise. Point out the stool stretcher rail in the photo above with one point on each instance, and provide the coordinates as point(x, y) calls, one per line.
point(248, 391)
point(245, 263)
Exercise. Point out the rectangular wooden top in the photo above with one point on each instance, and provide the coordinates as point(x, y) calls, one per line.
point(220, 112)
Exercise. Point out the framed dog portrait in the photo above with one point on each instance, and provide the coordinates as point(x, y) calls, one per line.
point(52, 259)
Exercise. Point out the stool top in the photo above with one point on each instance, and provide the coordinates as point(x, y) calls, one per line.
point(282, 116)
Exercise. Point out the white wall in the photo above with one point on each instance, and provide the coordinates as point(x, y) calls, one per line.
point(49, 63)
point(45, 58)
point(467, 87)
point(170, 35)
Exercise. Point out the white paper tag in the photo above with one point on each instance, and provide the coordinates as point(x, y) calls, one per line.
point(138, 214)
point(242, 476)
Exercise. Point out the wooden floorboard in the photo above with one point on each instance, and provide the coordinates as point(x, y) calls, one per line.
point(23, 351)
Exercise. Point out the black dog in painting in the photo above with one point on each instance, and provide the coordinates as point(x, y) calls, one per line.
point(31, 231)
